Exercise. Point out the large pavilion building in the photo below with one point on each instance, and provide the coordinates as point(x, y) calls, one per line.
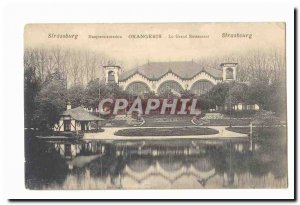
point(159, 77)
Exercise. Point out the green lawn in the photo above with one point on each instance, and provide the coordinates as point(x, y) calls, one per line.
point(180, 131)
point(243, 130)
point(259, 131)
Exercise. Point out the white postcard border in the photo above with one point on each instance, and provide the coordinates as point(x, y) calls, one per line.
point(17, 15)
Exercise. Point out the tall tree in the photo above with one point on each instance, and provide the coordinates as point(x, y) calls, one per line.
point(32, 86)
point(76, 95)
point(51, 101)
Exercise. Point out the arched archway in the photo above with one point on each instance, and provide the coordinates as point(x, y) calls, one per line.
point(137, 88)
point(201, 87)
point(229, 74)
point(168, 86)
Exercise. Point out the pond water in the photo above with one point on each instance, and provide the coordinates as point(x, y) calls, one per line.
point(260, 162)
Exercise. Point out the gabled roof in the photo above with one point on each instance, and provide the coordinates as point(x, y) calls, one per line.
point(183, 69)
point(80, 114)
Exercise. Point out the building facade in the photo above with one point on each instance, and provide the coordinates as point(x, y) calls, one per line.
point(160, 77)
point(77, 119)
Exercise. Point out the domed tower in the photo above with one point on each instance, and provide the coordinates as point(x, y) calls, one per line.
point(112, 74)
point(229, 71)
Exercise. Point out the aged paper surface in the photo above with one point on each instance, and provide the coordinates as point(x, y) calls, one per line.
point(155, 106)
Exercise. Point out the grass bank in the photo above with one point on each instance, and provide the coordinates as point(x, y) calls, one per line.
point(261, 132)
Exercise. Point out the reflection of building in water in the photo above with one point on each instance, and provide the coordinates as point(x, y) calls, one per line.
point(169, 173)
point(156, 164)
point(71, 150)
point(242, 180)
point(190, 148)
point(168, 167)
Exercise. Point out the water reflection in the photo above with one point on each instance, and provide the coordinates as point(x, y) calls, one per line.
point(156, 164)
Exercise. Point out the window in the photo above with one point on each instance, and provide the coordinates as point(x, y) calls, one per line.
point(169, 86)
point(229, 74)
point(138, 88)
point(201, 87)
point(67, 125)
point(111, 77)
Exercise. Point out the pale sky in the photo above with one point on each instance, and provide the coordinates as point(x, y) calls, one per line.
point(132, 52)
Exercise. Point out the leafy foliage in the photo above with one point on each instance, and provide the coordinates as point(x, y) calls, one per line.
point(76, 95)
point(32, 86)
point(51, 101)
point(218, 94)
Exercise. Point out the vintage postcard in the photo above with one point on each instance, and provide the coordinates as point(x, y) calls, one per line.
point(155, 106)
